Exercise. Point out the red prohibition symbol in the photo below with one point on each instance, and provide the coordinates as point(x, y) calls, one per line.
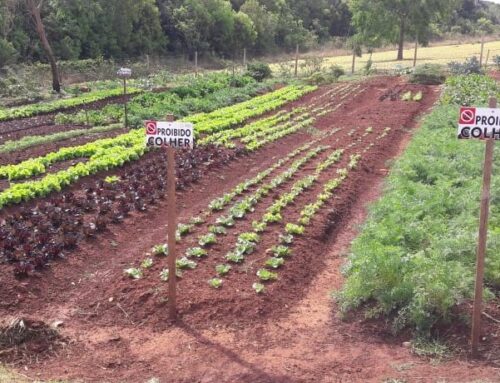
point(151, 127)
point(467, 115)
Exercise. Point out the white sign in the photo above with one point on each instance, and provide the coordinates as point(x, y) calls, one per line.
point(479, 123)
point(174, 134)
point(124, 72)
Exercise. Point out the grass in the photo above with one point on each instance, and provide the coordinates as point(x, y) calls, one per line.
point(435, 54)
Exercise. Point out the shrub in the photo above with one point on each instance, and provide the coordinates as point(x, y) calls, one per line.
point(259, 71)
point(428, 74)
point(337, 71)
point(470, 66)
point(496, 60)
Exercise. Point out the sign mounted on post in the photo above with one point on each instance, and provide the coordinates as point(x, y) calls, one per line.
point(174, 134)
point(171, 135)
point(479, 123)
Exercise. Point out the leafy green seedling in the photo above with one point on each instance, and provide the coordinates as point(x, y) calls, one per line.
point(275, 262)
point(215, 283)
point(258, 226)
point(197, 221)
point(222, 269)
point(207, 239)
point(133, 273)
point(184, 263)
point(418, 96)
point(235, 257)
point(217, 230)
point(259, 288)
point(286, 239)
point(272, 218)
point(249, 236)
point(406, 96)
point(160, 250)
point(147, 263)
point(112, 179)
point(266, 275)
point(245, 247)
point(184, 229)
point(196, 252)
point(225, 221)
point(164, 274)
point(294, 229)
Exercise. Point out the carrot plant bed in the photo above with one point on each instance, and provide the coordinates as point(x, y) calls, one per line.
point(254, 226)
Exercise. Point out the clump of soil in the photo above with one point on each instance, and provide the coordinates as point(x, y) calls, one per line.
point(25, 340)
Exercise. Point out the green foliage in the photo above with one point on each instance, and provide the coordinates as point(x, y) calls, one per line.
point(207, 240)
point(470, 66)
point(133, 273)
point(196, 252)
point(215, 283)
point(259, 71)
point(469, 90)
point(275, 262)
point(415, 258)
point(259, 288)
point(266, 275)
point(36, 109)
point(222, 269)
point(185, 263)
point(147, 263)
point(428, 74)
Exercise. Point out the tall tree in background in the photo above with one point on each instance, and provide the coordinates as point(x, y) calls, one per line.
point(392, 20)
point(34, 8)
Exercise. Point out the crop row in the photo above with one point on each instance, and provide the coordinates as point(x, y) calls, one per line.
point(102, 154)
point(203, 94)
point(33, 236)
point(48, 107)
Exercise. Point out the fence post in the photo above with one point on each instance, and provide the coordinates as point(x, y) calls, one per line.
point(482, 50)
point(415, 55)
point(297, 61)
point(196, 63)
point(353, 61)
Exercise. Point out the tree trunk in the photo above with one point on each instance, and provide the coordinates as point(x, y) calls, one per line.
point(34, 9)
point(401, 39)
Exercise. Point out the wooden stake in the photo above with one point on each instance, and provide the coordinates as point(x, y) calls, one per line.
point(196, 63)
point(481, 248)
point(482, 50)
point(125, 104)
point(415, 55)
point(487, 58)
point(245, 58)
point(172, 228)
point(353, 61)
point(297, 60)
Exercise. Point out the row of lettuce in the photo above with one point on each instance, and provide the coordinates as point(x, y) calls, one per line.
point(105, 154)
point(63, 103)
point(414, 261)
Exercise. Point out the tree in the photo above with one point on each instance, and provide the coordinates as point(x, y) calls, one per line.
point(392, 20)
point(34, 8)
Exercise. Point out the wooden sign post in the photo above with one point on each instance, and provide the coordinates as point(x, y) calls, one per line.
point(171, 230)
point(125, 73)
point(483, 233)
point(297, 60)
point(170, 135)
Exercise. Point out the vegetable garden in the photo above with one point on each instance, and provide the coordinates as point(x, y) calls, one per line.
point(272, 181)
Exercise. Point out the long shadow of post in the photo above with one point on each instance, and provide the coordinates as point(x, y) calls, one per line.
point(254, 374)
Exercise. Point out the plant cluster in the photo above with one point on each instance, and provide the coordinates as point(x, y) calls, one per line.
point(414, 261)
point(49, 107)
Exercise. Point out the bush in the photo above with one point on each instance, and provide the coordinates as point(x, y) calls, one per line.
point(428, 74)
point(470, 66)
point(337, 71)
point(259, 71)
point(496, 60)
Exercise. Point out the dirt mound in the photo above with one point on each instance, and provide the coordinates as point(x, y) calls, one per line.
point(25, 339)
